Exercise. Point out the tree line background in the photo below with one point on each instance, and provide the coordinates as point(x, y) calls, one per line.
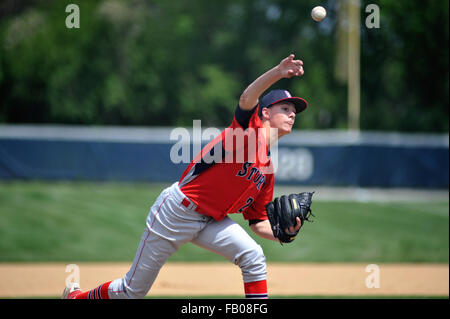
point(167, 62)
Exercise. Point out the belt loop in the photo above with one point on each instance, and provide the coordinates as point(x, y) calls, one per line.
point(186, 203)
point(189, 204)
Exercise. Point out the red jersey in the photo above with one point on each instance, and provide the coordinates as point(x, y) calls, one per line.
point(240, 179)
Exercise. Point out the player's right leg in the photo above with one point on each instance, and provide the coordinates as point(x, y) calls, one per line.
point(151, 255)
point(169, 225)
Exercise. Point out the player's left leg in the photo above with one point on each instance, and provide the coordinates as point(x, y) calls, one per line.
point(230, 240)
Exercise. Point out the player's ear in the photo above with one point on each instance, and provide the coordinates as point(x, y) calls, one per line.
point(265, 113)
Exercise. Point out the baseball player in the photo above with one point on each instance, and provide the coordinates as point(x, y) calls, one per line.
point(225, 178)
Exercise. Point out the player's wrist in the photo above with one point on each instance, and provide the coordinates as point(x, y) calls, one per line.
point(278, 72)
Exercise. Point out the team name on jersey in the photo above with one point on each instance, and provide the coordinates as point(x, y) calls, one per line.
point(252, 173)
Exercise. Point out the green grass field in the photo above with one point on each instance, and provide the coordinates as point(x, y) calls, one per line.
point(78, 221)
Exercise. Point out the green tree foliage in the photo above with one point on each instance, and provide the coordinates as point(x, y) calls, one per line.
point(405, 67)
point(167, 62)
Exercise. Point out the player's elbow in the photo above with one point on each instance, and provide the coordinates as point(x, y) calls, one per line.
point(254, 228)
point(246, 101)
point(256, 225)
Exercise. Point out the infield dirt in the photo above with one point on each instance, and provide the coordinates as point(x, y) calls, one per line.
point(183, 280)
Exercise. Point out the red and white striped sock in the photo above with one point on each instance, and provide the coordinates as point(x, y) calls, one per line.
point(256, 289)
point(101, 292)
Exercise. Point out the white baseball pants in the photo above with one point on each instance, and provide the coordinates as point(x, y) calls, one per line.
point(169, 225)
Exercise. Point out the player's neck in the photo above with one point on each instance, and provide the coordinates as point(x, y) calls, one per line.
point(271, 135)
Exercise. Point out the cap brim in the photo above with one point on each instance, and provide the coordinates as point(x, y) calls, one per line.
point(300, 104)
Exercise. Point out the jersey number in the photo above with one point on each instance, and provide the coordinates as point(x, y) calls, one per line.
point(249, 202)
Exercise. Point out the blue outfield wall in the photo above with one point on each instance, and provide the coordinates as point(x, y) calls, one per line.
point(333, 158)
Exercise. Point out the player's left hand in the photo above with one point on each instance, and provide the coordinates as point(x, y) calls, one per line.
point(287, 214)
point(294, 229)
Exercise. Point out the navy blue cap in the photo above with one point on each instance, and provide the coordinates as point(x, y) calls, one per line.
point(276, 96)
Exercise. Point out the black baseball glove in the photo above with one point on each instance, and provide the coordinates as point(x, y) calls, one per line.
point(282, 213)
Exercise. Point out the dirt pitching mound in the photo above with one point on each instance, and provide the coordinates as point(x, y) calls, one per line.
point(222, 279)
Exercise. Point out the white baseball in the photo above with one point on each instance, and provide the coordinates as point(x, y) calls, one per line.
point(318, 13)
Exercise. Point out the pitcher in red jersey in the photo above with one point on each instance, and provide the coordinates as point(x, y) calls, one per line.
point(232, 174)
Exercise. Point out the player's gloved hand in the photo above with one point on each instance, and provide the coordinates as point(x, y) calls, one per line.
point(294, 229)
point(288, 213)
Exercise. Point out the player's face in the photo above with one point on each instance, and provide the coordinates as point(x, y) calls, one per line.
point(282, 117)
